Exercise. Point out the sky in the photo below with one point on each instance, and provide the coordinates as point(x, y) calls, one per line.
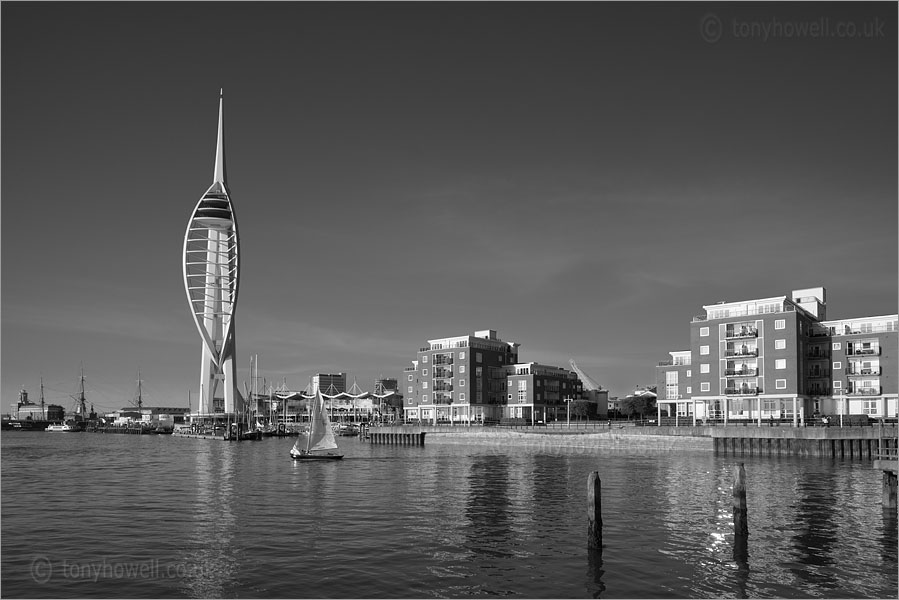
point(580, 177)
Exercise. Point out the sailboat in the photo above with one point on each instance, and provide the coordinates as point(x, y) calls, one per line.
point(320, 441)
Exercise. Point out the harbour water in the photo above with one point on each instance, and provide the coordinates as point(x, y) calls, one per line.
point(88, 515)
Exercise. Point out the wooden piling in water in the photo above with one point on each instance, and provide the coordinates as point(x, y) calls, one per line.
point(889, 489)
point(594, 511)
point(741, 517)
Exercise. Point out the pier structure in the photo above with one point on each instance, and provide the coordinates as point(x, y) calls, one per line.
point(211, 280)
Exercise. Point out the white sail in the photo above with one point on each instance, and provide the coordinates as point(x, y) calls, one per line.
point(321, 437)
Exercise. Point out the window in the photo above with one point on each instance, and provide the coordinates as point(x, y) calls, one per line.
point(510, 397)
point(424, 358)
point(780, 384)
point(522, 384)
point(424, 385)
point(703, 350)
point(461, 382)
point(461, 396)
point(704, 368)
point(780, 363)
point(837, 345)
point(522, 395)
point(479, 357)
point(780, 344)
point(424, 398)
point(689, 372)
point(671, 385)
point(704, 387)
point(410, 376)
point(837, 365)
point(461, 368)
point(410, 389)
point(837, 384)
point(462, 356)
point(689, 389)
point(780, 324)
point(869, 407)
point(703, 332)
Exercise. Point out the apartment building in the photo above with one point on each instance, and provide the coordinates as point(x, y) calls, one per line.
point(779, 358)
point(478, 378)
point(537, 393)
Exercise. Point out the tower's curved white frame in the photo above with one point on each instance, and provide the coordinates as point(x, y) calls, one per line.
point(211, 280)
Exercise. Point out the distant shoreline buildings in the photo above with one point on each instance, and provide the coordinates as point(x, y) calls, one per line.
point(780, 358)
point(479, 379)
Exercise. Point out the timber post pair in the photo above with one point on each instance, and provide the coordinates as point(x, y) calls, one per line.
point(594, 508)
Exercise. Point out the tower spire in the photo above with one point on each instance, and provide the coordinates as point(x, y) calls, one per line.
point(219, 174)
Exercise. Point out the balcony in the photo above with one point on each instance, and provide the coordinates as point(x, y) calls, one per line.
point(441, 386)
point(859, 371)
point(865, 391)
point(743, 391)
point(745, 332)
point(742, 352)
point(440, 359)
point(864, 352)
point(741, 372)
point(443, 373)
point(818, 374)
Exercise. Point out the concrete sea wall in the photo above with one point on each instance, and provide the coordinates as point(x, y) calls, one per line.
point(857, 443)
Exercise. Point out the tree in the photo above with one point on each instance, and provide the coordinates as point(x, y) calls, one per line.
point(640, 402)
point(580, 408)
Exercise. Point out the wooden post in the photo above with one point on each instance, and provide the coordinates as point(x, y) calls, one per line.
point(889, 489)
point(594, 511)
point(741, 526)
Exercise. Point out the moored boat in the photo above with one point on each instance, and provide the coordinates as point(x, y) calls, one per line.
point(62, 427)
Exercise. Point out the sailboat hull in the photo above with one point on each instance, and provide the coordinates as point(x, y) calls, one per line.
point(316, 456)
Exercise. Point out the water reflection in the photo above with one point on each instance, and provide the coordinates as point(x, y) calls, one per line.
point(595, 585)
point(210, 561)
point(488, 507)
point(813, 540)
point(741, 558)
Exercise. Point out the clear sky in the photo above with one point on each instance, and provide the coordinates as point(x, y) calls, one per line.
point(580, 177)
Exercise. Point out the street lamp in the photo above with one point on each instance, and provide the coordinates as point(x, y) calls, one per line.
point(568, 402)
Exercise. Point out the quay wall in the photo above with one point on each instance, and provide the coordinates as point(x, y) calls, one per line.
point(857, 443)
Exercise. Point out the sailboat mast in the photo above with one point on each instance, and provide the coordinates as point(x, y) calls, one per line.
point(83, 402)
point(140, 399)
point(311, 426)
point(43, 413)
